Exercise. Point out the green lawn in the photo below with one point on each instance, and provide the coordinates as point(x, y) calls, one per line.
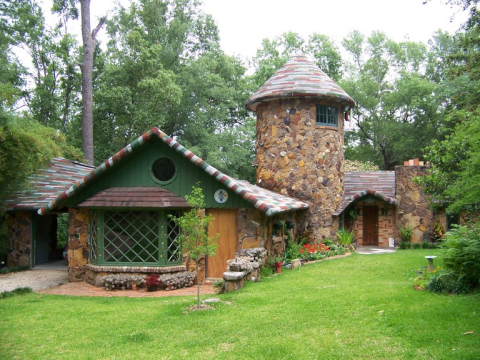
point(359, 307)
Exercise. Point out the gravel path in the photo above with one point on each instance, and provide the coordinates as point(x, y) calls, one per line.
point(35, 279)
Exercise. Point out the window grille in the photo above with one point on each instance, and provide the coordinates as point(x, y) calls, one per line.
point(173, 231)
point(130, 237)
point(93, 236)
point(134, 238)
point(326, 115)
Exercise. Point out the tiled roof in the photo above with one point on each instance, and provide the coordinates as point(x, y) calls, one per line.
point(46, 184)
point(358, 184)
point(266, 201)
point(299, 78)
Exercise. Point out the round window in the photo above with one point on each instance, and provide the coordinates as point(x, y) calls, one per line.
point(164, 170)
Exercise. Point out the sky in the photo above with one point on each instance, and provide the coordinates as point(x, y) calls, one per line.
point(243, 24)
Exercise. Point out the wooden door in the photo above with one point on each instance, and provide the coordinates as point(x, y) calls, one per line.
point(370, 225)
point(225, 224)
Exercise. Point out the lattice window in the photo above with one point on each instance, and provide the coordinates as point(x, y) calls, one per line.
point(130, 237)
point(93, 236)
point(174, 252)
point(326, 115)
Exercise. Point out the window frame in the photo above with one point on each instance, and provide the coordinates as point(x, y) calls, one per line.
point(324, 118)
point(96, 240)
point(154, 177)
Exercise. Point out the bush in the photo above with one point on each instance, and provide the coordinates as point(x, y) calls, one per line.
point(463, 253)
point(416, 246)
point(406, 233)
point(448, 283)
point(405, 245)
point(426, 244)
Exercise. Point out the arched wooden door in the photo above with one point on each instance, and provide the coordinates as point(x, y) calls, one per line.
point(225, 224)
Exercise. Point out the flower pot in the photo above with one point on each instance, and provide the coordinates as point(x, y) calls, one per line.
point(278, 267)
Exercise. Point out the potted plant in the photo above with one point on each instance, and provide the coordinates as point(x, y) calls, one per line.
point(151, 282)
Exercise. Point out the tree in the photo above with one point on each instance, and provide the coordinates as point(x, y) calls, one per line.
point(398, 110)
point(194, 239)
point(86, 66)
point(164, 67)
point(453, 181)
point(274, 53)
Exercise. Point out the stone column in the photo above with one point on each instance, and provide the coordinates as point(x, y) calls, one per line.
point(413, 205)
point(19, 239)
point(78, 247)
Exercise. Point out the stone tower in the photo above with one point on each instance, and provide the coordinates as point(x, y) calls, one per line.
point(299, 144)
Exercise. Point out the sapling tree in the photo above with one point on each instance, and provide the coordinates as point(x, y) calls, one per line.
point(194, 238)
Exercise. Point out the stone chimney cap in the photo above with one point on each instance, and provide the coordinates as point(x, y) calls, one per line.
point(299, 77)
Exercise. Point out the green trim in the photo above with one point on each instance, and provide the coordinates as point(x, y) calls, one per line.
point(33, 245)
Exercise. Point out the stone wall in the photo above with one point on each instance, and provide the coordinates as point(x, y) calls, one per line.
point(299, 159)
point(413, 209)
point(19, 238)
point(78, 222)
point(386, 222)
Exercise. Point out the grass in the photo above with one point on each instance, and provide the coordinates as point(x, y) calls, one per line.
point(359, 307)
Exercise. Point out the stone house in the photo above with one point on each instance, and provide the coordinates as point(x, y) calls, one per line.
point(300, 178)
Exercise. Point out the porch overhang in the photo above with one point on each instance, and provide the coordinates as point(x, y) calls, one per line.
point(140, 197)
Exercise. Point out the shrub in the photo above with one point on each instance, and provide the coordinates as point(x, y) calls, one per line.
point(448, 283)
point(405, 245)
point(346, 238)
point(426, 245)
point(463, 253)
point(406, 233)
point(219, 286)
point(416, 246)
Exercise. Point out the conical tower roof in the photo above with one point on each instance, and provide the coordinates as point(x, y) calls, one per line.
point(299, 77)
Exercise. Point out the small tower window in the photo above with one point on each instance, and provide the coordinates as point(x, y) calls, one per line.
point(326, 115)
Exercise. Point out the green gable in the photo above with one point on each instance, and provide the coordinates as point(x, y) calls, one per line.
point(135, 170)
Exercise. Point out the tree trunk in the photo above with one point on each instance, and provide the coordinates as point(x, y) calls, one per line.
point(198, 285)
point(88, 37)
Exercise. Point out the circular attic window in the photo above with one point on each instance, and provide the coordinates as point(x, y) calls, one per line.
point(164, 170)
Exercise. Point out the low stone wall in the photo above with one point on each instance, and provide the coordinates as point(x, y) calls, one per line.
point(93, 274)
